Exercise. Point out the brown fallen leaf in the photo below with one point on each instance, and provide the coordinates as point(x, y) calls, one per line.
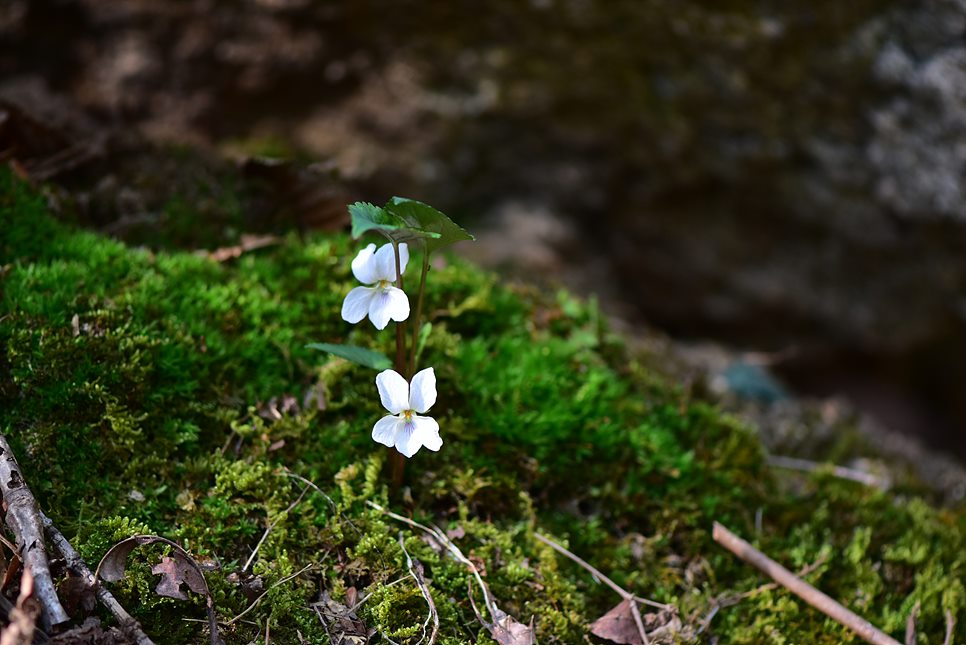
point(78, 595)
point(23, 617)
point(618, 626)
point(342, 625)
point(174, 572)
point(180, 568)
point(505, 629)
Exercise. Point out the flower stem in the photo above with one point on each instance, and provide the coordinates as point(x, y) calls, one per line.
point(400, 326)
point(397, 464)
point(417, 321)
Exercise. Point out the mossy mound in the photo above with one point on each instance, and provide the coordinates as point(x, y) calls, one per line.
point(169, 394)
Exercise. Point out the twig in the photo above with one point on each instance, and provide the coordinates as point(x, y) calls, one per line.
point(264, 593)
point(76, 563)
point(911, 625)
point(23, 518)
point(416, 574)
point(950, 626)
point(272, 526)
point(851, 474)
point(800, 588)
point(623, 593)
point(454, 550)
point(723, 601)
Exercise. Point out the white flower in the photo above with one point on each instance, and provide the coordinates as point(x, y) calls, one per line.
point(381, 301)
point(404, 428)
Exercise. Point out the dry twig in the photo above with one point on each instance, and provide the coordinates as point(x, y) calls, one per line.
point(950, 626)
point(416, 572)
point(800, 588)
point(623, 593)
point(23, 518)
point(76, 563)
point(851, 474)
point(272, 526)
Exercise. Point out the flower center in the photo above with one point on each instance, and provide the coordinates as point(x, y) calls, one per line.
point(407, 414)
point(383, 284)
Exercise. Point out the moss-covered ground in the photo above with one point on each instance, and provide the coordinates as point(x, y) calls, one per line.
point(136, 387)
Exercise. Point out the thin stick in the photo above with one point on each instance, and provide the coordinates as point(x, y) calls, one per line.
point(418, 319)
point(76, 563)
point(272, 526)
point(597, 574)
point(23, 518)
point(424, 589)
point(454, 550)
point(950, 626)
point(264, 593)
point(803, 465)
point(623, 593)
point(911, 625)
point(800, 588)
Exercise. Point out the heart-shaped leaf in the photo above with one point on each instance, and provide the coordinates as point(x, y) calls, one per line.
point(437, 229)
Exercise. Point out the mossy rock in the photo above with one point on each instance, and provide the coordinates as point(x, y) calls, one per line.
point(167, 393)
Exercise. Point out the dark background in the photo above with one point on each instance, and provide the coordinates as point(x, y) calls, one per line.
point(785, 177)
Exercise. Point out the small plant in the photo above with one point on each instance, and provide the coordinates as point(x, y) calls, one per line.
point(406, 223)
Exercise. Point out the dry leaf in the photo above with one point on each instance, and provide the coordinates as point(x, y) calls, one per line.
point(181, 567)
point(342, 625)
point(23, 617)
point(174, 572)
point(618, 626)
point(78, 596)
point(507, 630)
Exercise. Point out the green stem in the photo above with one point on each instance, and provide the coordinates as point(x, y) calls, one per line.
point(400, 326)
point(417, 321)
point(397, 463)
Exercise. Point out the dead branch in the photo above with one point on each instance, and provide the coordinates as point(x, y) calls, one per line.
point(911, 625)
point(800, 588)
point(416, 571)
point(271, 526)
point(265, 593)
point(623, 593)
point(23, 518)
point(950, 626)
point(76, 563)
point(851, 474)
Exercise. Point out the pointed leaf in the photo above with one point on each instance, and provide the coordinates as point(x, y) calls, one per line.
point(367, 217)
point(437, 229)
point(358, 355)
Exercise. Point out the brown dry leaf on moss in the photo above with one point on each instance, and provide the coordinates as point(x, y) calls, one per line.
point(175, 572)
point(618, 626)
point(507, 630)
point(23, 617)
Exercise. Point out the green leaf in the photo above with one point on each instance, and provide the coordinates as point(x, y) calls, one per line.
point(434, 227)
point(358, 355)
point(367, 217)
point(424, 332)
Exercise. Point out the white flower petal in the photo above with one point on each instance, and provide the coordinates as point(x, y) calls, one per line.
point(363, 266)
point(388, 303)
point(355, 307)
point(413, 435)
point(428, 431)
point(393, 391)
point(385, 430)
point(385, 261)
point(422, 391)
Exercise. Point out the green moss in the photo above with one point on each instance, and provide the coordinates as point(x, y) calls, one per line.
point(134, 388)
